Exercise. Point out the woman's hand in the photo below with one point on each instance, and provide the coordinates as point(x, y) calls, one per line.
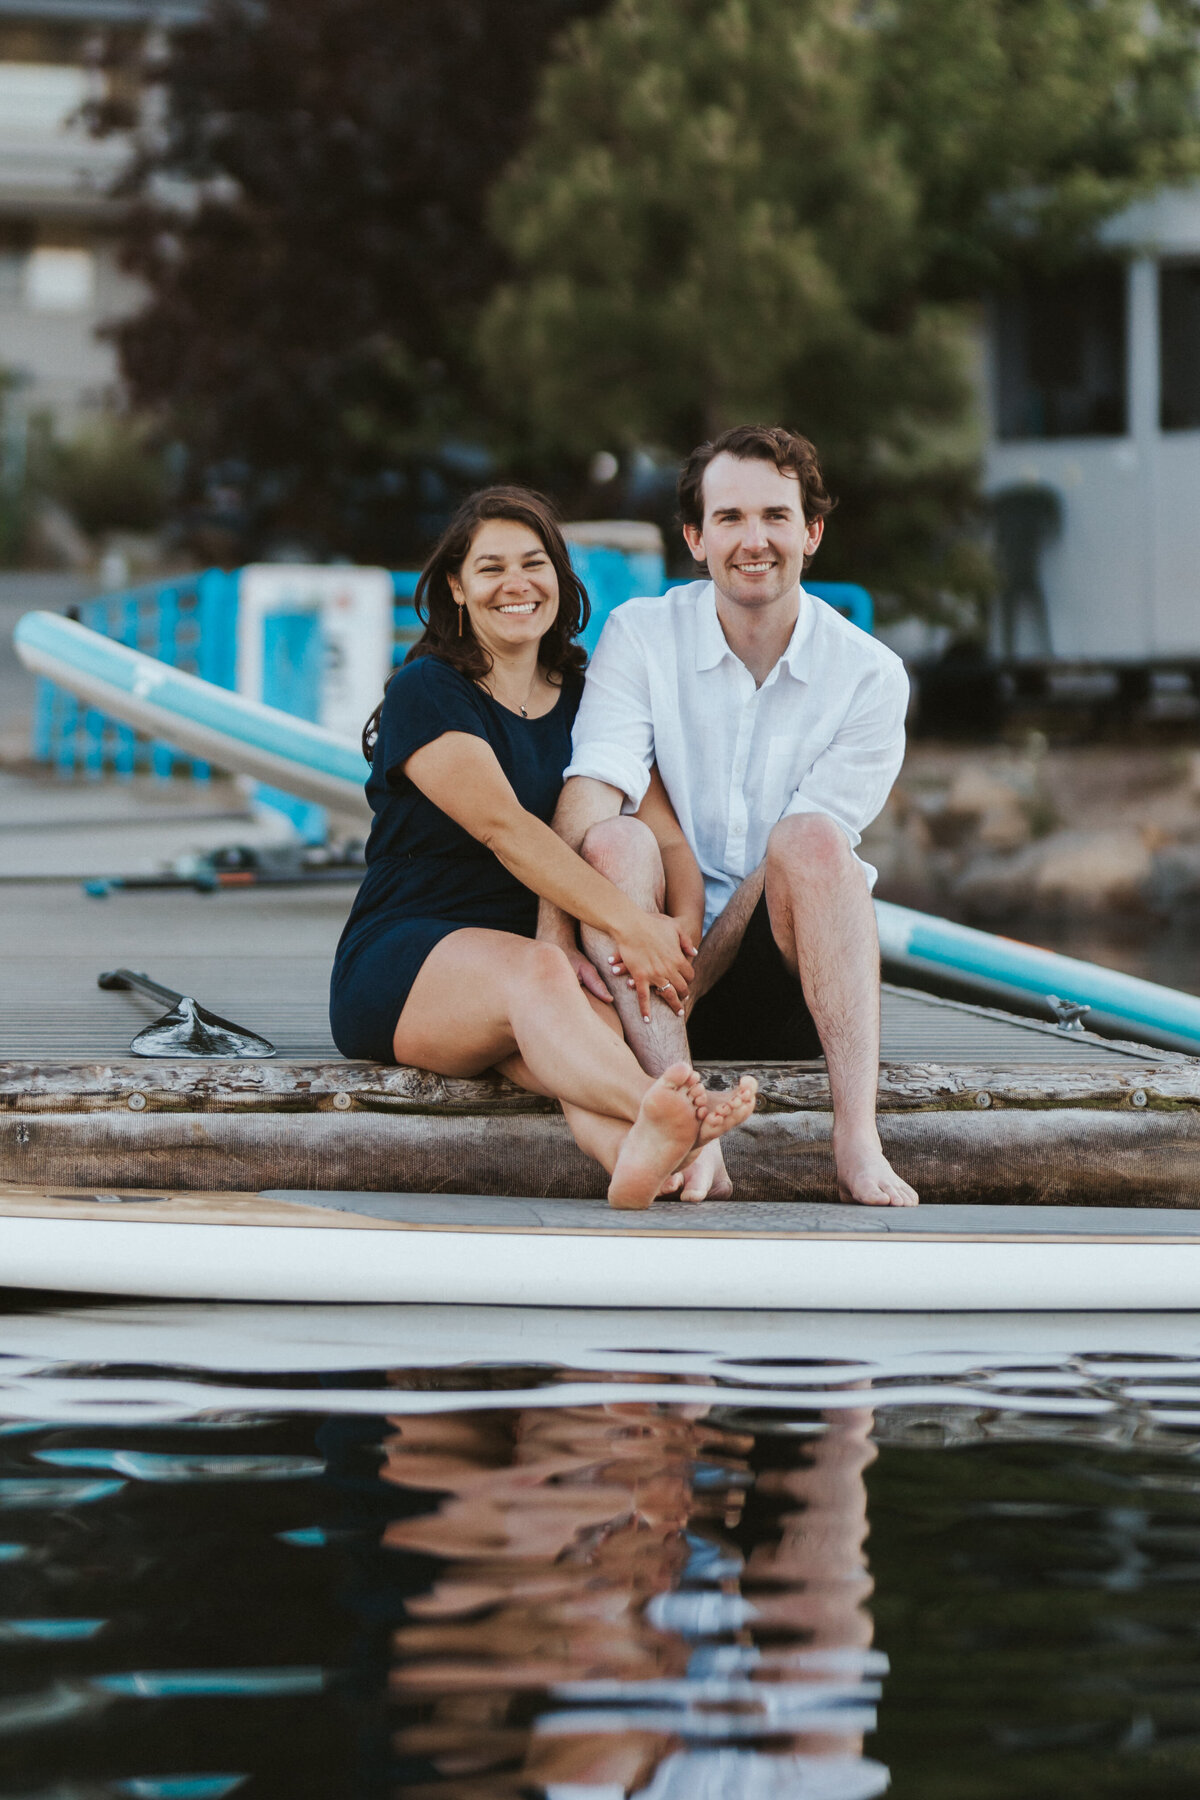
point(655, 952)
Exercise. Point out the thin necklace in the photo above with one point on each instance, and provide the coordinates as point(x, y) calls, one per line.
point(523, 710)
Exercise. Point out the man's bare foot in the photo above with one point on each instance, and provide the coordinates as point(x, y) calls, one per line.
point(865, 1175)
point(725, 1111)
point(659, 1138)
point(705, 1176)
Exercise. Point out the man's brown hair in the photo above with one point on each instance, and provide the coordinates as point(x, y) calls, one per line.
point(756, 443)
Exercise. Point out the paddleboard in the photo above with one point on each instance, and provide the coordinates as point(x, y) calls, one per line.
point(449, 1249)
point(249, 738)
point(241, 735)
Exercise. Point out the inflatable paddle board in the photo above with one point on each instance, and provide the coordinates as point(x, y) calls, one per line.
point(207, 721)
point(304, 759)
point(448, 1249)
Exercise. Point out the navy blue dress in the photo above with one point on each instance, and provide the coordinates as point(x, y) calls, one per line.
point(426, 876)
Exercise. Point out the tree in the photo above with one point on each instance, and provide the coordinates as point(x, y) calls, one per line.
point(776, 209)
point(307, 210)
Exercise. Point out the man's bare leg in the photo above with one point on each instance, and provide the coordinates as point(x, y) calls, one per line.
point(625, 851)
point(824, 924)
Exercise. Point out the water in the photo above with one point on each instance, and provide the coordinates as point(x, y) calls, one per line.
point(490, 1554)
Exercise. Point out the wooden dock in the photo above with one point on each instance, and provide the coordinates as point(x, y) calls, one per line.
point(976, 1106)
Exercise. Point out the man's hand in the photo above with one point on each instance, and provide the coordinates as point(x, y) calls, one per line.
point(588, 975)
point(555, 927)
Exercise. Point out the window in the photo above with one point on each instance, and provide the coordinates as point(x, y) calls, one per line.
point(1179, 336)
point(37, 99)
point(59, 280)
point(1060, 354)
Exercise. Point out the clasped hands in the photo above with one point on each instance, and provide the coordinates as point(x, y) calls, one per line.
point(654, 953)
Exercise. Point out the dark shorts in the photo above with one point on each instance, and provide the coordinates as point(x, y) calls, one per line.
point(371, 981)
point(757, 1011)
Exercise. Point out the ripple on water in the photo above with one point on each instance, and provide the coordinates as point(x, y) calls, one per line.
point(302, 1551)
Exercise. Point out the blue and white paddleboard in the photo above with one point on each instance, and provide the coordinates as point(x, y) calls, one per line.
point(249, 738)
point(1008, 971)
point(225, 728)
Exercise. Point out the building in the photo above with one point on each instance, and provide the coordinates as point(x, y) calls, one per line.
point(59, 279)
point(1093, 452)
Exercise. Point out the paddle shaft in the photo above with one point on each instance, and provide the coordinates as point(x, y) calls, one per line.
point(129, 978)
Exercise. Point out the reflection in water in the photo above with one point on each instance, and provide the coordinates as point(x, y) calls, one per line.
point(596, 1630)
point(253, 1581)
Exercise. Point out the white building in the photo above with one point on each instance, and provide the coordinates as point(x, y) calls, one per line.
point(59, 279)
point(1093, 449)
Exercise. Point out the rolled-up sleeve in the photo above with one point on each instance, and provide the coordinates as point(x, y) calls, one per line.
point(613, 738)
point(852, 778)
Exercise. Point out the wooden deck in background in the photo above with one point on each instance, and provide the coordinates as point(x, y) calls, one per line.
point(262, 958)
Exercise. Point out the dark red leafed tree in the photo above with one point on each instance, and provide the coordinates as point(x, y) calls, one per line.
point(307, 211)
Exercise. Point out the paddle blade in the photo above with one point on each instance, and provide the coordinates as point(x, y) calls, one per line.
point(190, 1030)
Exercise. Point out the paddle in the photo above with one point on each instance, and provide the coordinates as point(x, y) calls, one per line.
point(188, 1029)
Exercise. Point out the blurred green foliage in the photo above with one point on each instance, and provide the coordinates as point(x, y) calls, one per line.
point(110, 475)
point(784, 210)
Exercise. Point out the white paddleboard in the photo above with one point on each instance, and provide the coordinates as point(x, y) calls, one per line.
point(467, 1250)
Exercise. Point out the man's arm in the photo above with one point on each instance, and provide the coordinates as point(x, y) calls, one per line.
point(684, 897)
point(850, 780)
point(612, 749)
point(582, 804)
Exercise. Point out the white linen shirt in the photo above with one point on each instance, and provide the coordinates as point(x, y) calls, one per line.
point(823, 734)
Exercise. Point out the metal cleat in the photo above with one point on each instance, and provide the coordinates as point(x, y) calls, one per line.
point(1069, 1013)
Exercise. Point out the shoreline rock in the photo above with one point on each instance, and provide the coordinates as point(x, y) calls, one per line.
point(1064, 834)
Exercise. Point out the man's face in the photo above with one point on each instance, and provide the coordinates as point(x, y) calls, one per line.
point(754, 535)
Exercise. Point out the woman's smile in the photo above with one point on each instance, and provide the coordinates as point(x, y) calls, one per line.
point(506, 579)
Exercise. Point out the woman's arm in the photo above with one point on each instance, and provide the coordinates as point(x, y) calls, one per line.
point(684, 882)
point(461, 776)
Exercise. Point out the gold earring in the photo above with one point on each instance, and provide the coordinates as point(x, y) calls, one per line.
point(460, 614)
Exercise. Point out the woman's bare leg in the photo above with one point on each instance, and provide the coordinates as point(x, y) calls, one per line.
point(599, 1135)
point(482, 995)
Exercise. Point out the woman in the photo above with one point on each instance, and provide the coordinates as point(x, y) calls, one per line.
point(438, 966)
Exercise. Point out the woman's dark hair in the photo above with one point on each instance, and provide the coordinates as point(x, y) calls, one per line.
point(558, 653)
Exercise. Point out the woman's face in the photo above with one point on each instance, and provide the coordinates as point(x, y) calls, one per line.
point(508, 586)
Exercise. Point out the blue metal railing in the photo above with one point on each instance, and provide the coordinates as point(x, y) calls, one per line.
point(190, 622)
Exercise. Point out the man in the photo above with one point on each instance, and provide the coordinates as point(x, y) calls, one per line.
point(777, 729)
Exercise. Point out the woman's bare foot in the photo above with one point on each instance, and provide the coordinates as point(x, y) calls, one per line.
point(659, 1138)
point(865, 1176)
